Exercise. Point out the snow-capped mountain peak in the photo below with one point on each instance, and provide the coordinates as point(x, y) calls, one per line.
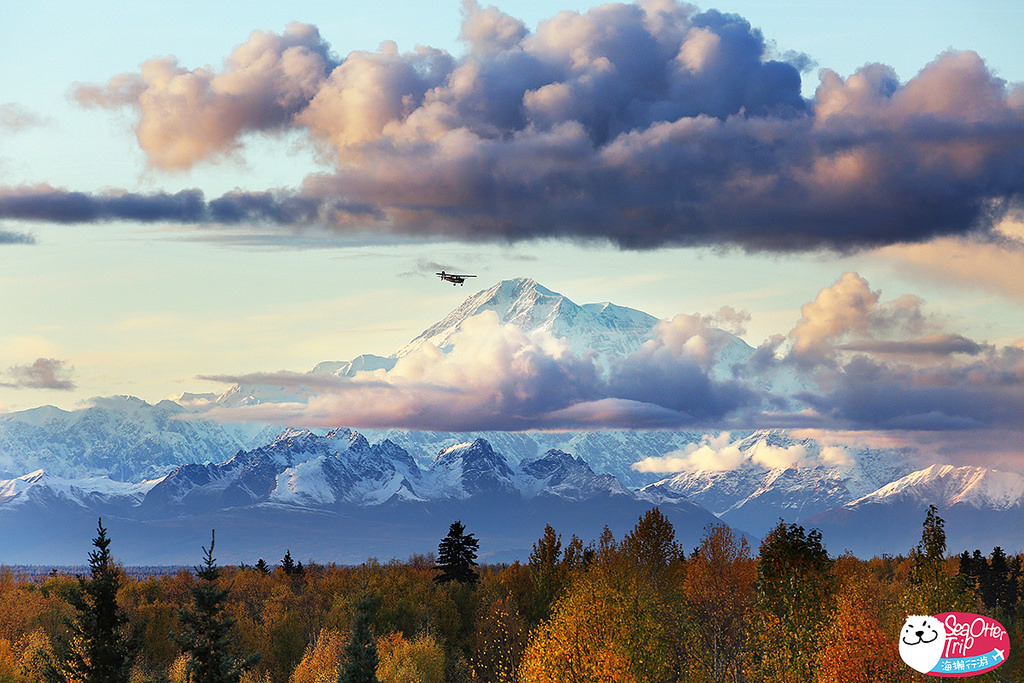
point(947, 485)
point(605, 328)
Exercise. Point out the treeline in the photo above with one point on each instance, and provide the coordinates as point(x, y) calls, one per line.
point(639, 608)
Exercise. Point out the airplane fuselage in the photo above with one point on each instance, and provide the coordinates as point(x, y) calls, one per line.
point(454, 279)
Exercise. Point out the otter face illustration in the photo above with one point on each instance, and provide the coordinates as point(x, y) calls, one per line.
point(922, 640)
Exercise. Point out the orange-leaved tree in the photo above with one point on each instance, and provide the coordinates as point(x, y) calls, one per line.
point(719, 589)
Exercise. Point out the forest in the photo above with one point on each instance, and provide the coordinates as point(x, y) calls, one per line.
point(639, 608)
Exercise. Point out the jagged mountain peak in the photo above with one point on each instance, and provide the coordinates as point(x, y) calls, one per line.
point(554, 462)
point(478, 448)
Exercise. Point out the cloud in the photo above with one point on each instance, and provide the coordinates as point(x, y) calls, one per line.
point(495, 377)
point(849, 316)
point(45, 203)
point(642, 125)
point(713, 453)
point(722, 453)
point(192, 114)
point(933, 345)
point(16, 118)
point(44, 373)
point(883, 365)
point(992, 264)
point(10, 237)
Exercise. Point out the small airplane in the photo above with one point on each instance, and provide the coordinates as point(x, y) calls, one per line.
point(453, 278)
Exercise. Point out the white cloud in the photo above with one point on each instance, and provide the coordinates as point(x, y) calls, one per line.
point(713, 453)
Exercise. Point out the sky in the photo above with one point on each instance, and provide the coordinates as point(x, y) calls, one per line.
point(191, 191)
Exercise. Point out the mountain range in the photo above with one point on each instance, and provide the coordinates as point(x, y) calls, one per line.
point(163, 474)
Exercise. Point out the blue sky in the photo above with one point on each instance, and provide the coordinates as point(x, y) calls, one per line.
point(123, 307)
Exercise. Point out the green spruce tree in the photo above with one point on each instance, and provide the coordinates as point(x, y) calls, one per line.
point(99, 649)
point(214, 652)
point(361, 652)
point(456, 556)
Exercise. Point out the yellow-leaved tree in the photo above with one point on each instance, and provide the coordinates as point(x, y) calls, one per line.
point(322, 659)
point(420, 660)
point(608, 627)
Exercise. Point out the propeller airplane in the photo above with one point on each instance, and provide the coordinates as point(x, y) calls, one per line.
point(453, 278)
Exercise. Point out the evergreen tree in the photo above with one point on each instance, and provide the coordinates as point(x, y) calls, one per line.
point(361, 652)
point(206, 636)
point(288, 564)
point(262, 566)
point(1000, 588)
point(549, 573)
point(457, 556)
point(99, 650)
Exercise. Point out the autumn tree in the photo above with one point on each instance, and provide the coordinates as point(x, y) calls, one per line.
point(857, 646)
point(322, 659)
point(99, 650)
point(206, 630)
point(499, 637)
point(605, 629)
point(456, 556)
point(420, 660)
point(793, 595)
point(718, 586)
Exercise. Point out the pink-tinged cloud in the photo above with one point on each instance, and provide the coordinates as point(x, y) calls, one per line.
point(16, 118)
point(878, 365)
point(43, 373)
point(849, 316)
point(192, 114)
point(995, 265)
point(639, 124)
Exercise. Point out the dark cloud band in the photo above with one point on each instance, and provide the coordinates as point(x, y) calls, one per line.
point(639, 125)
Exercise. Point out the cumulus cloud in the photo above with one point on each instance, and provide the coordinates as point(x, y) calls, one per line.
point(870, 394)
point(849, 316)
point(720, 453)
point(644, 125)
point(43, 373)
point(192, 114)
point(713, 453)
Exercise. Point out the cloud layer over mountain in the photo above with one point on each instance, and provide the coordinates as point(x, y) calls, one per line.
point(852, 362)
point(642, 124)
